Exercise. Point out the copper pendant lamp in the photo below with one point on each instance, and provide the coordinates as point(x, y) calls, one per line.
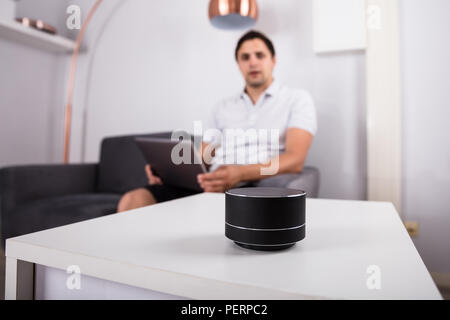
point(233, 14)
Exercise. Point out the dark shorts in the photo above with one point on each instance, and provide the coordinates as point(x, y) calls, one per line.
point(166, 192)
point(163, 192)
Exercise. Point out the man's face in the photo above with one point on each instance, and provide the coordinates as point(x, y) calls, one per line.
point(255, 62)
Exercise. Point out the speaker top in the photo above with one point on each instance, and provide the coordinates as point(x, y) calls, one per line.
point(265, 192)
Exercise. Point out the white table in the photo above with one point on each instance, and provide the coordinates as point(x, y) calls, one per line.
point(178, 249)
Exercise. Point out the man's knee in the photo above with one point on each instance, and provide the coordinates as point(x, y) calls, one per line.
point(135, 199)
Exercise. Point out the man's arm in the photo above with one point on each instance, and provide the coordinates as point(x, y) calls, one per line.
point(207, 153)
point(298, 142)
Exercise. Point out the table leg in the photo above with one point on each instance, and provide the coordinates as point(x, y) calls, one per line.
point(19, 280)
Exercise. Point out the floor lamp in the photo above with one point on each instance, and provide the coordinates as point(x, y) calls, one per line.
point(68, 110)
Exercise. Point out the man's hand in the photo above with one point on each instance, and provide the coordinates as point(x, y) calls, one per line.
point(152, 179)
point(224, 178)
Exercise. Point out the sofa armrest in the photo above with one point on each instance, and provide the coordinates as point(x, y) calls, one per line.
point(22, 184)
point(308, 180)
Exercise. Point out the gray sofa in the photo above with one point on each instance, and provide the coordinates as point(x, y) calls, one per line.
point(34, 198)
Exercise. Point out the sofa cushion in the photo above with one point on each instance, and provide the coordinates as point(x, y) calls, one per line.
point(57, 211)
point(121, 166)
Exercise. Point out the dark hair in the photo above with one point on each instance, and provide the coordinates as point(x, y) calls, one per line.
point(252, 34)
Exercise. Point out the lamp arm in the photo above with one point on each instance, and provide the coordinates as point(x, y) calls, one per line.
point(68, 110)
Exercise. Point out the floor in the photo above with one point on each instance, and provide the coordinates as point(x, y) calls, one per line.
point(445, 292)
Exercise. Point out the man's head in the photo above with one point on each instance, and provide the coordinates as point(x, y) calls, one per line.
point(255, 55)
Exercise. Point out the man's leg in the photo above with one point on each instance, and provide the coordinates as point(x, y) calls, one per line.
point(150, 195)
point(136, 199)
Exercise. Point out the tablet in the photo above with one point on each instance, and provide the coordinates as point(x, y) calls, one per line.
point(177, 163)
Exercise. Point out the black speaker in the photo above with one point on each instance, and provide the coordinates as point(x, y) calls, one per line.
point(265, 218)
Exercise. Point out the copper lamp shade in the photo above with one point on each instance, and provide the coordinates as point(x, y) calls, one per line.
point(233, 14)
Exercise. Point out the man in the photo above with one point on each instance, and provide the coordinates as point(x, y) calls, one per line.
point(264, 104)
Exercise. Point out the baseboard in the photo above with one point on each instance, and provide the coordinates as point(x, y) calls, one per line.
point(442, 280)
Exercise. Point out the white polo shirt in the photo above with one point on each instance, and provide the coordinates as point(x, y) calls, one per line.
point(277, 109)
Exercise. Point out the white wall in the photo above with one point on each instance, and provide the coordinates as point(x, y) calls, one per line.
point(31, 95)
point(161, 65)
point(27, 106)
point(426, 73)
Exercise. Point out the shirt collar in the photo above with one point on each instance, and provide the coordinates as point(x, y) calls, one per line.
point(270, 91)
